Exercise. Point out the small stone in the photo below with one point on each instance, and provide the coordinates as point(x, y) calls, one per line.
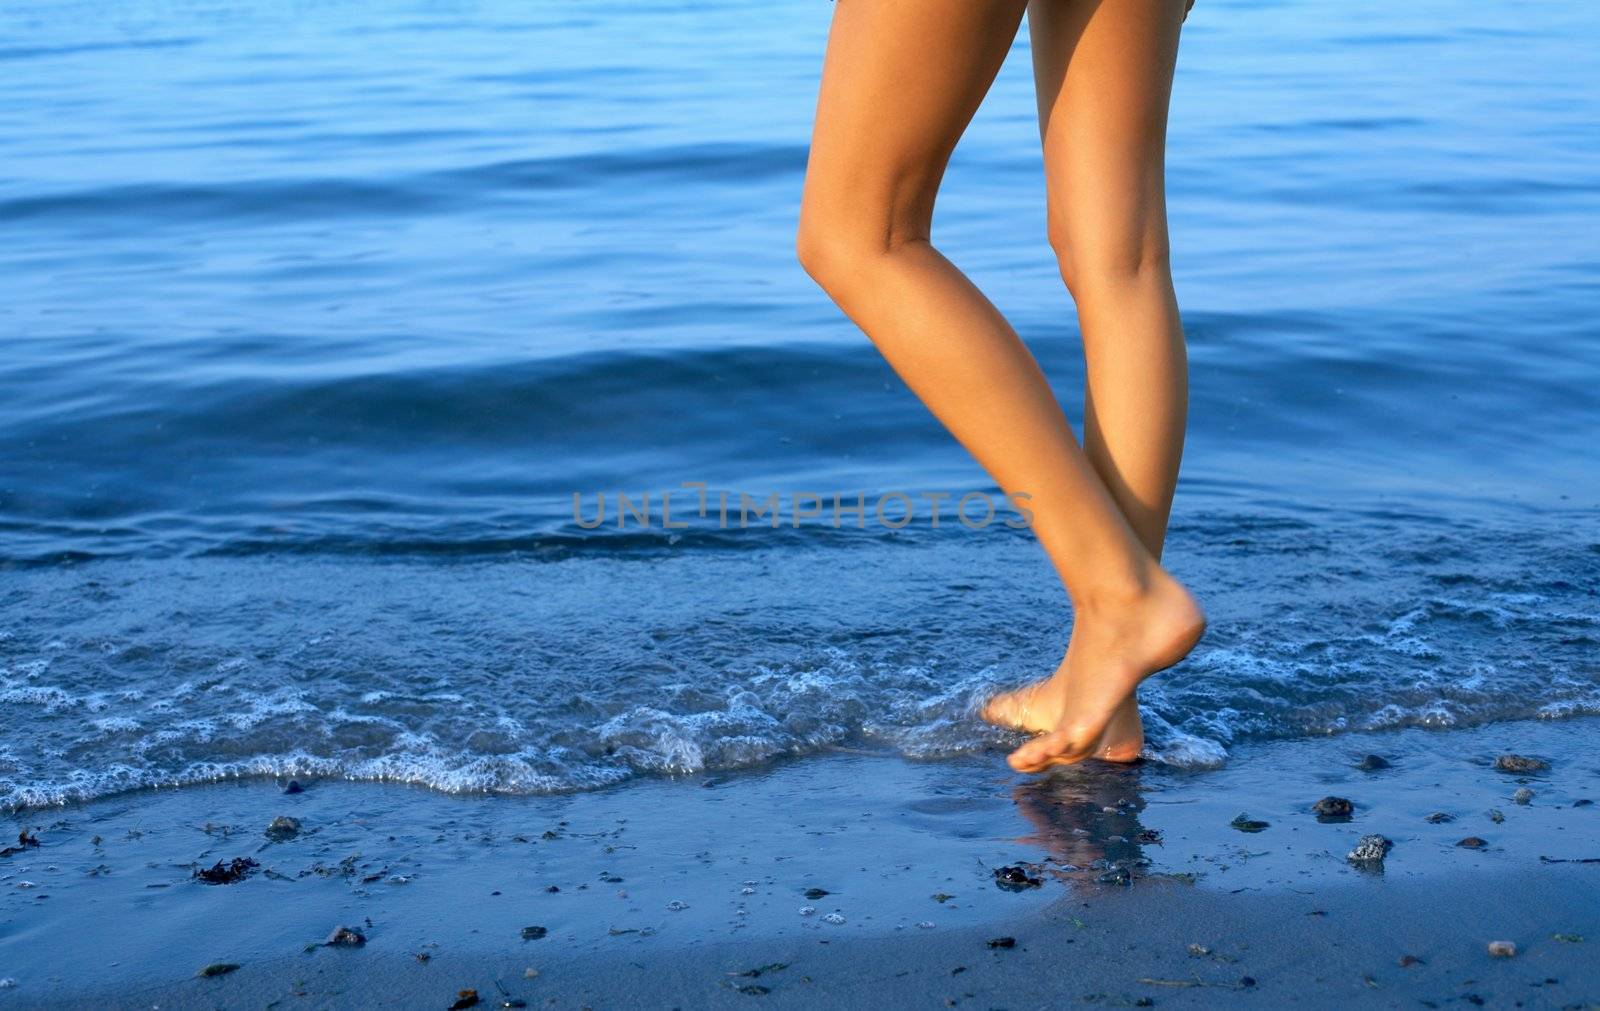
point(218, 969)
point(1002, 942)
point(1495, 816)
point(533, 933)
point(1472, 842)
point(1199, 950)
point(677, 906)
point(926, 924)
point(1522, 796)
point(1582, 802)
point(1370, 851)
point(1245, 824)
point(552, 889)
point(1116, 876)
point(941, 897)
point(808, 910)
point(237, 869)
point(1247, 981)
point(464, 999)
point(530, 973)
point(834, 918)
point(345, 937)
point(1520, 763)
point(1502, 949)
point(1015, 879)
point(816, 893)
point(294, 787)
point(1332, 809)
point(1371, 763)
point(1439, 818)
point(283, 828)
point(1407, 961)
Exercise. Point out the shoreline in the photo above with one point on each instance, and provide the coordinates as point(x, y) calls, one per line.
point(662, 888)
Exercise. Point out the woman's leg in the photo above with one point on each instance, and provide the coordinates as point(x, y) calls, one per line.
point(1103, 71)
point(900, 82)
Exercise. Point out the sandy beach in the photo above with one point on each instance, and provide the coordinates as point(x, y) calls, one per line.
point(859, 880)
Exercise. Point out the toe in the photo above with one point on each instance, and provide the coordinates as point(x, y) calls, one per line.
point(1054, 748)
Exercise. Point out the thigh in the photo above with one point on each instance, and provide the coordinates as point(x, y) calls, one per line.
point(1103, 72)
point(900, 81)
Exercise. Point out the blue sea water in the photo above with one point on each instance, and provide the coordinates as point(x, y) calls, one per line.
point(314, 316)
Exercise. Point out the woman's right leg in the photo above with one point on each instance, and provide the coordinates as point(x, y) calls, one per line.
point(901, 80)
point(1103, 71)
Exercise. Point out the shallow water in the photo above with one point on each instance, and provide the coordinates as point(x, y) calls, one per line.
point(316, 316)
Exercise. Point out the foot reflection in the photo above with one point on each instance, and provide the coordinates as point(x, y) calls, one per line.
point(1086, 817)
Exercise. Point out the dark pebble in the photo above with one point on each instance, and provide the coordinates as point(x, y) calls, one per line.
point(755, 989)
point(552, 889)
point(1407, 961)
point(1148, 837)
point(218, 969)
point(1582, 802)
point(294, 787)
point(237, 869)
point(1371, 763)
point(1439, 818)
point(1116, 876)
point(1244, 824)
point(816, 893)
point(1472, 842)
point(1520, 763)
point(1330, 809)
point(345, 937)
point(1002, 942)
point(283, 828)
point(1015, 879)
point(1247, 981)
point(464, 1000)
point(533, 933)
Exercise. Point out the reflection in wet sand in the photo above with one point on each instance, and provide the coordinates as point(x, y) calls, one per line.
point(1086, 817)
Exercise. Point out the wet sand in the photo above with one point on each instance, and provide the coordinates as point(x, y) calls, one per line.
point(870, 880)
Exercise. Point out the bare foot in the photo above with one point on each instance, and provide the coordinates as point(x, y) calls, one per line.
point(1037, 709)
point(1112, 650)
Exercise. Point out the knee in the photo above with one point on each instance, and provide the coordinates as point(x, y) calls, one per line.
point(843, 244)
point(836, 253)
point(820, 250)
point(1091, 264)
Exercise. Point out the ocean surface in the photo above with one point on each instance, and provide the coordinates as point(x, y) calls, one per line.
point(315, 316)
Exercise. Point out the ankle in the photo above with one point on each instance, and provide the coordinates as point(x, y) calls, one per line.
point(1131, 592)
